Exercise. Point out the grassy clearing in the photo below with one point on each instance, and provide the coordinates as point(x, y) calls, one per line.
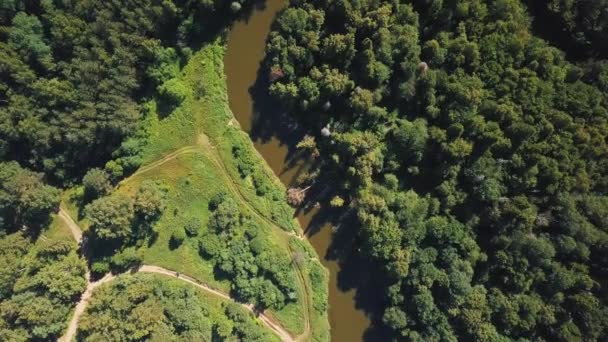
point(192, 181)
point(206, 111)
point(57, 231)
point(201, 136)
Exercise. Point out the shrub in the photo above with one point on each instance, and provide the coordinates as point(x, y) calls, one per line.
point(96, 183)
point(262, 184)
point(114, 169)
point(210, 245)
point(174, 91)
point(100, 268)
point(126, 259)
point(217, 199)
point(336, 202)
point(244, 160)
point(192, 226)
point(150, 200)
point(235, 6)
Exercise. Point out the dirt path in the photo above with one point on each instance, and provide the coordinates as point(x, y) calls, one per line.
point(70, 333)
point(163, 160)
point(86, 296)
point(277, 329)
point(74, 228)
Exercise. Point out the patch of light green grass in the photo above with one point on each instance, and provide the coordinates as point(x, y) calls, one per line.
point(192, 181)
point(57, 231)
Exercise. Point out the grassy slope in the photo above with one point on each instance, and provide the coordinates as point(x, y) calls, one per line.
point(193, 177)
point(211, 115)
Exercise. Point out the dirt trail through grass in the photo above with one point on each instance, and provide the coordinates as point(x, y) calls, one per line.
point(167, 158)
point(70, 333)
point(205, 145)
point(74, 228)
point(210, 150)
point(91, 285)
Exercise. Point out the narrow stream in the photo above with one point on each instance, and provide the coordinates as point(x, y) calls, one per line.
point(246, 43)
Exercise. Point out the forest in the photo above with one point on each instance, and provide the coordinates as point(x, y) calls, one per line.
point(468, 154)
point(74, 74)
point(463, 141)
point(145, 308)
point(75, 78)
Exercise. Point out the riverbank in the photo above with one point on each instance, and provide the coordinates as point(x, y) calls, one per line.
point(248, 102)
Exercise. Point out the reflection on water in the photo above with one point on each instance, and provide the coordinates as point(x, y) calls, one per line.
point(246, 43)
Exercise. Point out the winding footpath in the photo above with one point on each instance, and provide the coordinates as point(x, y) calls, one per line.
point(92, 285)
point(161, 161)
point(216, 158)
point(205, 145)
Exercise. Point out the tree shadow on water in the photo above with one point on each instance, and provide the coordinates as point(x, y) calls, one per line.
point(356, 271)
point(269, 121)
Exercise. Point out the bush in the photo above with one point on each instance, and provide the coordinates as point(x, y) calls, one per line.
point(336, 202)
point(114, 169)
point(192, 226)
point(235, 6)
point(244, 160)
point(174, 91)
point(150, 200)
point(96, 183)
point(100, 268)
point(210, 245)
point(126, 259)
point(262, 184)
point(217, 199)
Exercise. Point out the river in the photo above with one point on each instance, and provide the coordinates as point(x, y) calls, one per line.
point(246, 43)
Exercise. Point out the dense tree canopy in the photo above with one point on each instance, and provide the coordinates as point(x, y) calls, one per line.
point(25, 201)
point(260, 273)
point(39, 285)
point(471, 154)
point(72, 75)
point(146, 308)
point(579, 26)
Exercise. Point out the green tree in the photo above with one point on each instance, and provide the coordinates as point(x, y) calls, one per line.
point(193, 226)
point(150, 200)
point(111, 217)
point(177, 237)
point(26, 35)
point(96, 184)
point(24, 198)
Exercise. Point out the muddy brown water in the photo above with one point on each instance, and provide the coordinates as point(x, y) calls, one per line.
point(246, 43)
